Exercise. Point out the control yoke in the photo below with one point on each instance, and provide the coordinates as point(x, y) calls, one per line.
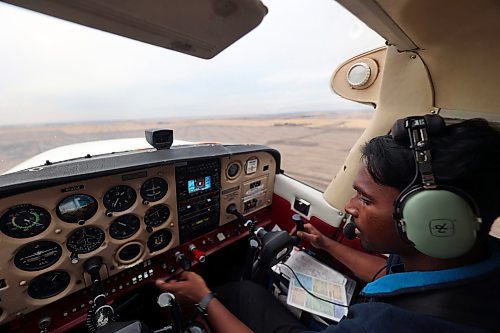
point(274, 245)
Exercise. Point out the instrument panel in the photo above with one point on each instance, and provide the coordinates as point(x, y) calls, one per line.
point(126, 218)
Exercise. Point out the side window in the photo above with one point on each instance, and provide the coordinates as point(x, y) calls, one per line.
point(314, 147)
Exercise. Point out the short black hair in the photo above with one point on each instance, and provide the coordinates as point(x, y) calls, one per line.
point(465, 155)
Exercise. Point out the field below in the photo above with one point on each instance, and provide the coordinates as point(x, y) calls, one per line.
point(312, 146)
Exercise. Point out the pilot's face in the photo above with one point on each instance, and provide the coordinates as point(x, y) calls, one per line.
point(371, 208)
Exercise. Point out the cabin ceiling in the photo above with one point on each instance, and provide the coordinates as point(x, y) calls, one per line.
point(202, 28)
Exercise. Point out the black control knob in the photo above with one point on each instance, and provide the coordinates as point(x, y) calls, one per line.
point(298, 222)
point(183, 261)
point(231, 209)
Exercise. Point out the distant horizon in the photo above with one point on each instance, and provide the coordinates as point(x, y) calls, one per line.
point(196, 117)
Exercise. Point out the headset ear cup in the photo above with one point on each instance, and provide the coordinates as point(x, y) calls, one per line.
point(439, 222)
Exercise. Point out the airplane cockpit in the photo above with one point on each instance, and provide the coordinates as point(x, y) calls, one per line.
point(113, 223)
point(142, 215)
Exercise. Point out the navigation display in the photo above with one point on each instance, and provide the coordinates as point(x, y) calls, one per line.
point(199, 184)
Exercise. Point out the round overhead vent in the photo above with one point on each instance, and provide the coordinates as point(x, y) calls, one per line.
point(358, 75)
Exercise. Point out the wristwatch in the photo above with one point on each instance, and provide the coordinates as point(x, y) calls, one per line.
point(203, 304)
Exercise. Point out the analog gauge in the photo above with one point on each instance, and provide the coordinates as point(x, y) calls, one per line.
point(156, 215)
point(233, 170)
point(124, 226)
point(76, 208)
point(48, 284)
point(154, 189)
point(130, 252)
point(159, 240)
point(85, 240)
point(37, 255)
point(24, 221)
point(119, 198)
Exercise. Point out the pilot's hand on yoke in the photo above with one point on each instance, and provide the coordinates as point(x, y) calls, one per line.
point(189, 286)
point(312, 235)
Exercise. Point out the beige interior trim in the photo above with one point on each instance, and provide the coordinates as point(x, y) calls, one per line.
point(404, 89)
point(291, 189)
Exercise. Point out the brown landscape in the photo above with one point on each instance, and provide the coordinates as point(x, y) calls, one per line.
point(313, 146)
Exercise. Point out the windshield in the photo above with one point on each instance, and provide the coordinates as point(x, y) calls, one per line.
point(65, 84)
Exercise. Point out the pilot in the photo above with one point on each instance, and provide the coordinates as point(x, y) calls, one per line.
point(421, 287)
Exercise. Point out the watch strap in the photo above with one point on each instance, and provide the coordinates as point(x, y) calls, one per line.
point(202, 306)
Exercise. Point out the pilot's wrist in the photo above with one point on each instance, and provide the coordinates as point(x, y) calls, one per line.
point(201, 293)
point(204, 302)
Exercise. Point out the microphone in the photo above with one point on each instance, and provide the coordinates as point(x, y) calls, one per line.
point(350, 230)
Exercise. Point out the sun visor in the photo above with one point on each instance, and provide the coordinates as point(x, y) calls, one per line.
point(202, 28)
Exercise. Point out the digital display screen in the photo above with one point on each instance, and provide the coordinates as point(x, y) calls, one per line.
point(199, 184)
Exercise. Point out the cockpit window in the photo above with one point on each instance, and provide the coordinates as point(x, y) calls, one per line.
point(67, 84)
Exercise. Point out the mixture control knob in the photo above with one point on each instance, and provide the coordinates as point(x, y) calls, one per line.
point(199, 256)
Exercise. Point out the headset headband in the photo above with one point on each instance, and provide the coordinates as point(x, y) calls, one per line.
point(415, 131)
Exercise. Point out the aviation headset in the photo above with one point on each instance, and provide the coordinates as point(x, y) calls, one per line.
point(439, 221)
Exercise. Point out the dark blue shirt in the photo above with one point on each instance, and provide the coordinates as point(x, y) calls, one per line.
point(424, 301)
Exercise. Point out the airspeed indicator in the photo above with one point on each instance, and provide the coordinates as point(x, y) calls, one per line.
point(24, 221)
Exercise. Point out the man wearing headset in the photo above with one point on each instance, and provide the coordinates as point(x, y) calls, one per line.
point(443, 271)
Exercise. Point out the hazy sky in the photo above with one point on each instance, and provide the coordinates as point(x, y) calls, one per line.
point(55, 71)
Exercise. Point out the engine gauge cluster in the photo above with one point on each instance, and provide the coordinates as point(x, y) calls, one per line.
point(159, 240)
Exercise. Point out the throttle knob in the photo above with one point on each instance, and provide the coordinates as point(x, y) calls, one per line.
point(183, 261)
